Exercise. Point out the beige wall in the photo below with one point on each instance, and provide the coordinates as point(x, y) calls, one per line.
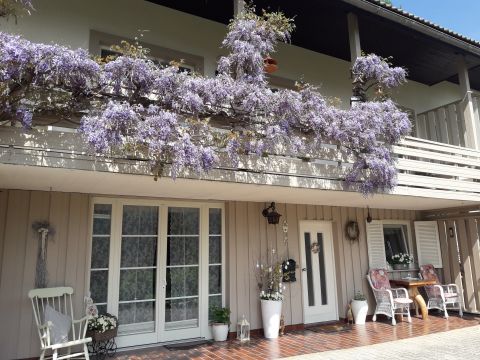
point(70, 22)
point(66, 259)
point(249, 235)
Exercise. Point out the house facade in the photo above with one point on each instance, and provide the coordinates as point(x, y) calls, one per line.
point(159, 254)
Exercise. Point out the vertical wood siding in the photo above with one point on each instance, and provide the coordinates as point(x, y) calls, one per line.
point(66, 259)
point(250, 236)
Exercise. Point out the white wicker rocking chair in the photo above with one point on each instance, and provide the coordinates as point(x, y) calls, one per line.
point(441, 297)
point(389, 301)
point(60, 299)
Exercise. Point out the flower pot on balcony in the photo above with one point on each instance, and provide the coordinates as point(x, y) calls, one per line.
point(271, 313)
point(270, 65)
point(400, 266)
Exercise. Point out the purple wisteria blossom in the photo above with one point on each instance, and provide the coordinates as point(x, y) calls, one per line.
point(179, 122)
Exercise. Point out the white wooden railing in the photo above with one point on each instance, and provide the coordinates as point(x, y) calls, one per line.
point(426, 168)
point(445, 124)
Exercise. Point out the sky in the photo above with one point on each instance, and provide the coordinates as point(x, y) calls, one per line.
point(462, 16)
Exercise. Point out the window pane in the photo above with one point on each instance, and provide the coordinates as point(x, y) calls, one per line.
point(102, 219)
point(182, 281)
point(99, 285)
point(215, 221)
point(100, 252)
point(395, 240)
point(321, 262)
point(215, 279)
point(140, 220)
point(140, 312)
point(182, 250)
point(215, 249)
point(308, 259)
point(137, 284)
point(213, 301)
point(139, 251)
point(183, 221)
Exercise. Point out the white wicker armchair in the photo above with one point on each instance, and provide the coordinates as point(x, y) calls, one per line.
point(441, 297)
point(59, 299)
point(389, 301)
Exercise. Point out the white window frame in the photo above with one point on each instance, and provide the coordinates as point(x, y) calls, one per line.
point(387, 222)
point(115, 251)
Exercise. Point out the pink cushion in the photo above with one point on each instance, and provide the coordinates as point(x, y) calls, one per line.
point(428, 273)
point(403, 300)
point(379, 278)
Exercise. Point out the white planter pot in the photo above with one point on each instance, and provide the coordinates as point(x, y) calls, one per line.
point(271, 313)
point(359, 310)
point(219, 332)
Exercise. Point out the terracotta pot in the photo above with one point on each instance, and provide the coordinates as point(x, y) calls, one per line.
point(270, 65)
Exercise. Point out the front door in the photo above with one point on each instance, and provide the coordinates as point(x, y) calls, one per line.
point(318, 272)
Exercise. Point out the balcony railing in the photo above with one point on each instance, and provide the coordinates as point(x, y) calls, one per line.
point(445, 124)
point(426, 168)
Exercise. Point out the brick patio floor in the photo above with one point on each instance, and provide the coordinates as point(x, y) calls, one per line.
point(308, 342)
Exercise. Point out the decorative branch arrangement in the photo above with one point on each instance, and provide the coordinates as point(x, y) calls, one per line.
point(131, 106)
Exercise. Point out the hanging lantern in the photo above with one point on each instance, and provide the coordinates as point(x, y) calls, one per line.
point(243, 330)
point(272, 216)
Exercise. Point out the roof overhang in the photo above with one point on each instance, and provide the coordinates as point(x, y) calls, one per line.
point(428, 51)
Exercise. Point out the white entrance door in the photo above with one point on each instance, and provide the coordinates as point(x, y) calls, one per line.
point(318, 272)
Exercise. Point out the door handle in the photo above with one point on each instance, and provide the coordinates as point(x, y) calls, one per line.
point(304, 269)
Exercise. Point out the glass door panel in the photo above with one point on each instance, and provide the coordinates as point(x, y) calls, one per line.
point(182, 269)
point(138, 268)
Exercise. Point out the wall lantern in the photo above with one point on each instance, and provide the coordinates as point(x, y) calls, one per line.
point(369, 217)
point(352, 231)
point(272, 216)
point(243, 330)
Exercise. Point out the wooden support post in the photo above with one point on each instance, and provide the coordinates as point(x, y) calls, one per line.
point(472, 124)
point(354, 37)
point(238, 7)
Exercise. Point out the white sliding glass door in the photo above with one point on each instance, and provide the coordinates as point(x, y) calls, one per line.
point(157, 266)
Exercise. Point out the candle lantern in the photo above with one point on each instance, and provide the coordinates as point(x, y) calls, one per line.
point(243, 330)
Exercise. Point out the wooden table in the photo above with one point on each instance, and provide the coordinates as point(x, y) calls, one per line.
point(412, 288)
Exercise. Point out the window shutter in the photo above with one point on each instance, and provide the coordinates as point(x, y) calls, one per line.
point(428, 243)
point(376, 245)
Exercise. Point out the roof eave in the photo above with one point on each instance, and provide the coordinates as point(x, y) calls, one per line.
point(385, 12)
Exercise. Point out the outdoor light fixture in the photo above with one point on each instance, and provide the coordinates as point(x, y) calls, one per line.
point(369, 217)
point(272, 216)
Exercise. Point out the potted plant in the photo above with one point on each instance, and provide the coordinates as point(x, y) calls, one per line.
point(269, 278)
point(359, 308)
point(220, 322)
point(401, 261)
point(102, 327)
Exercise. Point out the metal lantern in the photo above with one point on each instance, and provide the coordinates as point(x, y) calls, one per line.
point(271, 214)
point(243, 330)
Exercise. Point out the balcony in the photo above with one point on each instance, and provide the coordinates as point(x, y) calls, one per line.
point(427, 169)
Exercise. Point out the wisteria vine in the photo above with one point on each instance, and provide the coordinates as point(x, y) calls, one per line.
point(131, 106)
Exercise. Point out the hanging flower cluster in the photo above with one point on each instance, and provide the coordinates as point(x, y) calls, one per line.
point(132, 106)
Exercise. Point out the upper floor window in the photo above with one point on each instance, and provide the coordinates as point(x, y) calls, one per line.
point(100, 44)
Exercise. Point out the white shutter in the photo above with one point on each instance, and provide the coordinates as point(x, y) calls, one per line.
point(376, 245)
point(428, 243)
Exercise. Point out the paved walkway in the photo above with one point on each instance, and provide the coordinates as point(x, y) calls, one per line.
point(454, 344)
point(432, 339)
